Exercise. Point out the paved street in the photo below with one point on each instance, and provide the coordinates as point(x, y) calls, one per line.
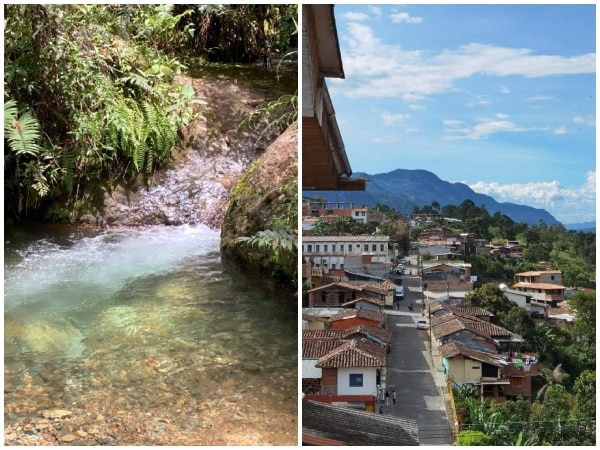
point(411, 372)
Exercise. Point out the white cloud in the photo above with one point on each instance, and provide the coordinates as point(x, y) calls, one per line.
point(504, 90)
point(411, 97)
point(567, 205)
point(356, 16)
point(393, 119)
point(385, 140)
point(405, 17)
point(485, 128)
point(502, 116)
point(452, 122)
point(587, 120)
point(540, 98)
point(376, 69)
point(417, 107)
point(479, 100)
point(375, 10)
point(560, 130)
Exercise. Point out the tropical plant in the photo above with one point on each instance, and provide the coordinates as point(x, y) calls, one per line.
point(273, 116)
point(94, 81)
point(473, 438)
point(520, 440)
point(552, 377)
point(34, 169)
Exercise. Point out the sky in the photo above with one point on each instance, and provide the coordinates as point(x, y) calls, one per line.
point(499, 97)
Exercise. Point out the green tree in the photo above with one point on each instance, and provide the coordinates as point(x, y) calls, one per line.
point(343, 225)
point(518, 321)
point(584, 390)
point(324, 228)
point(551, 422)
point(490, 297)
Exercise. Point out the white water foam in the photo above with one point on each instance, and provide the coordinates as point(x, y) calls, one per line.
point(93, 268)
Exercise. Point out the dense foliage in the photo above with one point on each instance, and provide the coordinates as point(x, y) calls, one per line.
point(90, 91)
point(563, 412)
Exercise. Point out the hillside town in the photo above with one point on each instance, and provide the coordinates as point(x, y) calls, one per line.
point(402, 343)
point(359, 281)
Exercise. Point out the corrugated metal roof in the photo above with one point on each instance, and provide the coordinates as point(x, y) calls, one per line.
point(309, 370)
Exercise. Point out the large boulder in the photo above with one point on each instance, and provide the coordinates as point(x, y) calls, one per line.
point(255, 203)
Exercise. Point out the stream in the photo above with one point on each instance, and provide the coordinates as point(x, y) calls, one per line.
point(141, 337)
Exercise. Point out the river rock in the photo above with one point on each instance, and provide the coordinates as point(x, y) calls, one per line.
point(68, 437)
point(270, 182)
point(55, 413)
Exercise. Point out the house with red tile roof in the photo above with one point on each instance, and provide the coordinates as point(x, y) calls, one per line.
point(476, 352)
point(543, 285)
point(498, 377)
point(339, 293)
point(348, 318)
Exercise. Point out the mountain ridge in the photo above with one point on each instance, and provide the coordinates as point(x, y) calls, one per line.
point(403, 189)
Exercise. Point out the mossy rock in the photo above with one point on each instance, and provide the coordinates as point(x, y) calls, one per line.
point(253, 206)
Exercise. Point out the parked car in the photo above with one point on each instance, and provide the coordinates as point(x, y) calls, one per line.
point(400, 292)
point(421, 324)
point(402, 261)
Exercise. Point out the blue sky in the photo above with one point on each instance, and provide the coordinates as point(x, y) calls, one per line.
point(499, 97)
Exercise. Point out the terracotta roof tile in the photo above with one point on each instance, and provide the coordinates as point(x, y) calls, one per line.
point(456, 348)
point(316, 348)
point(487, 329)
point(337, 424)
point(354, 353)
point(447, 328)
point(546, 286)
point(360, 313)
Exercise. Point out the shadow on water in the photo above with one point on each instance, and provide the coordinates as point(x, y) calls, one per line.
point(134, 326)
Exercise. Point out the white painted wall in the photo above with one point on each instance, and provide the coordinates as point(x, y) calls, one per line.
point(369, 381)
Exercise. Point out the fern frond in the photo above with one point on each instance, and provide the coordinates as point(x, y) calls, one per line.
point(139, 81)
point(23, 133)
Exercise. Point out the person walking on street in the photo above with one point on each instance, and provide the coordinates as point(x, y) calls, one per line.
point(394, 396)
point(387, 398)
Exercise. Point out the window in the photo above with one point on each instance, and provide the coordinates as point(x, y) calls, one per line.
point(318, 247)
point(350, 247)
point(356, 380)
point(310, 247)
point(342, 248)
point(333, 267)
point(516, 382)
point(324, 247)
point(381, 247)
point(333, 247)
point(366, 247)
point(341, 267)
point(374, 247)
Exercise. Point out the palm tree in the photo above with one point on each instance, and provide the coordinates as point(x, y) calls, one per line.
point(553, 377)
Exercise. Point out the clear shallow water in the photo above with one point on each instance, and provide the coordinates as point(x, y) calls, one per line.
point(145, 328)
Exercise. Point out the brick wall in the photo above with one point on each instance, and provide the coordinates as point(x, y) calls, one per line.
point(329, 381)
